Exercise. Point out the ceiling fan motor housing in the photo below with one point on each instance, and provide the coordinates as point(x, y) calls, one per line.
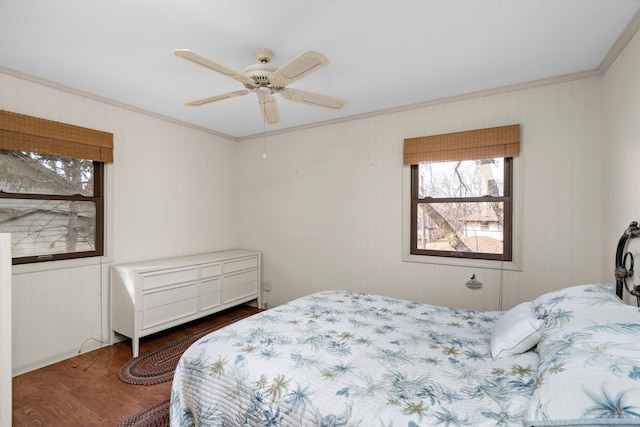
point(259, 73)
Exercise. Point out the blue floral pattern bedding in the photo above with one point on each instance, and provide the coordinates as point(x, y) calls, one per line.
point(589, 370)
point(341, 358)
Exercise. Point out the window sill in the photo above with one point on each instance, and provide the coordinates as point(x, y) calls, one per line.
point(59, 265)
point(462, 262)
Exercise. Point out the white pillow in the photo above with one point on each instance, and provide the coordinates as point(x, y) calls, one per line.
point(515, 332)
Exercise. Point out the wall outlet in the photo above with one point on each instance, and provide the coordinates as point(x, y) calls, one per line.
point(266, 285)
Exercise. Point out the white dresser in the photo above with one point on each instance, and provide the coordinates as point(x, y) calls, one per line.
point(150, 296)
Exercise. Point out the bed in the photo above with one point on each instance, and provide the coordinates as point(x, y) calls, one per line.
point(342, 358)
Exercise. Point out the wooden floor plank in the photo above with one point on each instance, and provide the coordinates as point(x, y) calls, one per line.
point(86, 391)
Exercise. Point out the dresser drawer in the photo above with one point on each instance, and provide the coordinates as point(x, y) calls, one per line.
point(165, 297)
point(210, 293)
point(239, 285)
point(169, 277)
point(210, 270)
point(240, 264)
point(210, 285)
point(209, 301)
point(168, 313)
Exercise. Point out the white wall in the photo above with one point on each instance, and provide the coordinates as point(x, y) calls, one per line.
point(621, 144)
point(5, 330)
point(325, 207)
point(170, 192)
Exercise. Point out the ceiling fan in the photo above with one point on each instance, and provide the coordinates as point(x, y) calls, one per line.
point(265, 80)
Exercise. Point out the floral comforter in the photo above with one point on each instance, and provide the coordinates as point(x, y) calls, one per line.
point(341, 358)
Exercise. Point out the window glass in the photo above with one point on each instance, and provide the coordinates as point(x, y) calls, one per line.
point(41, 227)
point(469, 178)
point(467, 227)
point(31, 173)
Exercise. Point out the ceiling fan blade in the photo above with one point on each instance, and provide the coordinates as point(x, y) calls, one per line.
point(269, 109)
point(216, 98)
point(201, 60)
point(298, 67)
point(314, 99)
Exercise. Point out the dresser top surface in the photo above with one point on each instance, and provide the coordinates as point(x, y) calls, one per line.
point(184, 261)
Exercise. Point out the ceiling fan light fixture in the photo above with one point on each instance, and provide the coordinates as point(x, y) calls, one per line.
point(263, 92)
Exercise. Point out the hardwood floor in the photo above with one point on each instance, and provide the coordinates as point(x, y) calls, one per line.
point(86, 390)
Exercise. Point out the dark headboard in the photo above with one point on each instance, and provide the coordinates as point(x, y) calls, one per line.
point(622, 259)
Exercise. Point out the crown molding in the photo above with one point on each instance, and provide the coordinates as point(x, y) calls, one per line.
point(630, 30)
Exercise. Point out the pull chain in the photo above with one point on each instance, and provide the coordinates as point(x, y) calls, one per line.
point(264, 131)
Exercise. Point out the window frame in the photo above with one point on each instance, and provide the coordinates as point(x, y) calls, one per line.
point(508, 224)
point(20, 132)
point(97, 199)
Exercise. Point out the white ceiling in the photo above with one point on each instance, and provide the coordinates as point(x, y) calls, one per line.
point(382, 54)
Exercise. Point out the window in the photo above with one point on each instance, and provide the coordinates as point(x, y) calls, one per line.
point(462, 208)
point(51, 188)
point(52, 206)
point(461, 197)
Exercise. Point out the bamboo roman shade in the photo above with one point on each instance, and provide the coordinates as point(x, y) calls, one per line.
point(503, 141)
point(19, 132)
